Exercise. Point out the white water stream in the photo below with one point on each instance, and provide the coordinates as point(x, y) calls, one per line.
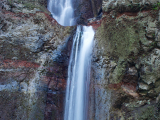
point(62, 11)
point(76, 102)
point(78, 75)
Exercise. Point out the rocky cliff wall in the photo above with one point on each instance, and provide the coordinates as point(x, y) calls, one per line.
point(126, 62)
point(34, 55)
point(85, 9)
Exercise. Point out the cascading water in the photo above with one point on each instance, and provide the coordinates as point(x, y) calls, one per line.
point(62, 11)
point(78, 74)
point(80, 59)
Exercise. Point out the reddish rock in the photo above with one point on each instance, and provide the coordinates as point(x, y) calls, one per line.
point(95, 24)
point(55, 95)
point(18, 64)
point(129, 14)
point(130, 89)
point(115, 86)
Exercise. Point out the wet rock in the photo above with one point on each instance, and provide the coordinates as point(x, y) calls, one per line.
point(105, 66)
point(147, 112)
point(11, 86)
point(115, 86)
point(24, 65)
point(143, 86)
point(7, 7)
point(151, 93)
point(157, 90)
point(135, 55)
point(48, 36)
point(158, 98)
point(86, 9)
point(158, 37)
point(159, 16)
point(24, 87)
point(127, 5)
point(137, 103)
point(34, 43)
point(112, 64)
point(158, 44)
point(130, 89)
point(150, 70)
point(132, 71)
point(118, 72)
point(151, 29)
point(143, 93)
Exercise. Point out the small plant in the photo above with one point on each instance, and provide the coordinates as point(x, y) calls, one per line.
point(152, 44)
point(130, 5)
point(153, 35)
point(156, 6)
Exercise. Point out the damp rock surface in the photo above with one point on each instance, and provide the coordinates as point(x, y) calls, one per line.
point(35, 50)
point(34, 53)
point(125, 63)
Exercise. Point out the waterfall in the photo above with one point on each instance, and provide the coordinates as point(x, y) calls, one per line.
point(79, 66)
point(78, 74)
point(62, 11)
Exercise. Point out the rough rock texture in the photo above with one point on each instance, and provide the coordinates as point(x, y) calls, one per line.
point(126, 62)
point(85, 9)
point(128, 5)
point(35, 50)
point(25, 6)
point(34, 54)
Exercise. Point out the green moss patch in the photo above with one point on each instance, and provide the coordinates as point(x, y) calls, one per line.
point(120, 38)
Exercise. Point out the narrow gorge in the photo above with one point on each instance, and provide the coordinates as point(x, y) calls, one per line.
point(80, 60)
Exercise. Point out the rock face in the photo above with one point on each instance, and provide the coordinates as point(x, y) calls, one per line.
point(125, 64)
point(85, 9)
point(35, 50)
point(34, 54)
point(128, 5)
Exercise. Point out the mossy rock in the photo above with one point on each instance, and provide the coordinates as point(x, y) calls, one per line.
point(120, 38)
point(157, 86)
point(118, 72)
point(29, 4)
point(146, 113)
